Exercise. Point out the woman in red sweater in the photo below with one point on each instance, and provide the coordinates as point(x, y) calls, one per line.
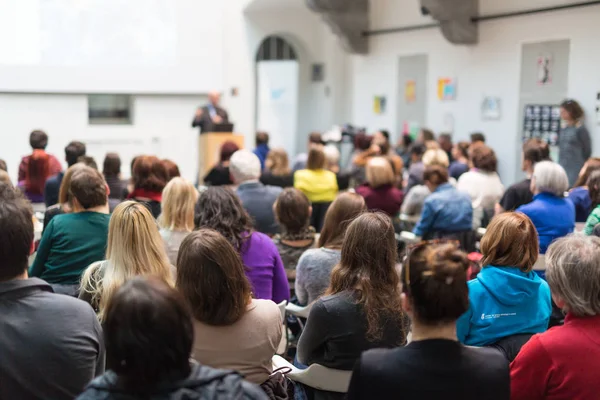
point(563, 363)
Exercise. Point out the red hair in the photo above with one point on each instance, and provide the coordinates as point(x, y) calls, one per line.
point(38, 170)
point(149, 173)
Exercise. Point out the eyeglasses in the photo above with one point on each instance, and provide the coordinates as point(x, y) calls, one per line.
point(417, 246)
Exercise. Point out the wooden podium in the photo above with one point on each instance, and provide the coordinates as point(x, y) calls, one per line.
point(209, 151)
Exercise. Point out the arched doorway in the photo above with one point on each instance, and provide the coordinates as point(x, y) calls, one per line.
point(277, 92)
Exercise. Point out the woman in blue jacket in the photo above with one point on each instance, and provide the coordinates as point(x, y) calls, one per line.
point(507, 298)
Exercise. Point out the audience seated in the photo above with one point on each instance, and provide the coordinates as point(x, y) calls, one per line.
point(482, 183)
point(292, 210)
point(563, 363)
point(149, 179)
point(434, 365)
point(363, 149)
point(552, 214)
point(262, 148)
point(89, 161)
point(315, 265)
point(403, 149)
point(38, 171)
point(477, 138)
point(415, 197)
point(593, 220)
point(416, 169)
point(232, 330)
point(51, 345)
point(507, 298)
point(580, 195)
point(257, 199)
point(460, 165)
point(445, 143)
point(361, 309)
point(379, 191)
point(534, 151)
point(38, 140)
point(315, 139)
point(63, 206)
point(134, 247)
point(172, 169)
point(380, 147)
point(73, 151)
point(446, 211)
point(73, 241)
point(318, 184)
point(220, 209)
point(277, 170)
point(177, 218)
point(149, 334)
point(425, 135)
point(219, 174)
point(112, 174)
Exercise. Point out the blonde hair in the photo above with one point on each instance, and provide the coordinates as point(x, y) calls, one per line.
point(178, 201)
point(436, 157)
point(280, 164)
point(134, 248)
point(379, 172)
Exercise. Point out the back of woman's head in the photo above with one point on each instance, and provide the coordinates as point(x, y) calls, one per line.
point(63, 194)
point(112, 165)
point(38, 170)
point(219, 208)
point(172, 169)
point(536, 150)
point(483, 158)
point(436, 157)
point(292, 210)
point(227, 150)
point(367, 268)
point(148, 333)
point(344, 209)
point(149, 173)
point(434, 278)
point(316, 159)
point(278, 162)
point(590, 166)
point(178, 202)
point(463, 149)
point(436, 175)
point(550, 177)
point(379, 172)
point(593, 183)
point(211, 277)
point(510, 240)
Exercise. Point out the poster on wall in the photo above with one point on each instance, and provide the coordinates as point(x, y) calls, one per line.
point(491, 108)
point(545, 67)
point(447, 89)
point(379, 105)
point(542, 121)
point(410, 91)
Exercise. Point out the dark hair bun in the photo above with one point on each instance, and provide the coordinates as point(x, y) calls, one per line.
point(447, 263)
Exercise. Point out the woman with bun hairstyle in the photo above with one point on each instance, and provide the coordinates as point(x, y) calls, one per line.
point(435, 365)
point(507, 298)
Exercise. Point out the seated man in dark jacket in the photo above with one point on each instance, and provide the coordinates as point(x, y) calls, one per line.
point(73, 151)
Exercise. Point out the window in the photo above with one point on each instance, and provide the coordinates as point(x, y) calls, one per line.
point(110, 109)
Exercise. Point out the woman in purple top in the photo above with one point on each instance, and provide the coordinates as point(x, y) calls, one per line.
point(220, 209)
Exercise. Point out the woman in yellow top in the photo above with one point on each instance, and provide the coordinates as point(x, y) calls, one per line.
point(318, 184)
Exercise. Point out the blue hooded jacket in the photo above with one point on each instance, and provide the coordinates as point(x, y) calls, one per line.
point(504, 301)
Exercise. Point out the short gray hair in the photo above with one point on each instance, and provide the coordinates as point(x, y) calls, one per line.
point(573, 273)
point(550, 177)
point(244, 166)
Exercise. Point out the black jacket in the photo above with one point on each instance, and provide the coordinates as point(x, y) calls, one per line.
point(205, 121)
point(204, 383)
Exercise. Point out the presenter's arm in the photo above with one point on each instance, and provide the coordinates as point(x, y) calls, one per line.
point(198, 121)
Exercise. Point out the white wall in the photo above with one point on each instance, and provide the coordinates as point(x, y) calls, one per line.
point(162, 127)
point(489, 68)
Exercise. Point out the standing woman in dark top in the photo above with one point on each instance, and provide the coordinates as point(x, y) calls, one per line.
point(434, 365)
point(361, 310)
point(277, 170)
point(219, 174)
point(574, 143)
point(150, 177)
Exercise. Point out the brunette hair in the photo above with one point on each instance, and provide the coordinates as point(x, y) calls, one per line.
point(427, 134)
point(437, 282)
point(149, 173)
point(315, 138)
point(590, 166)
point(148, 333)
point(16, 232)
point(172, 169)
point(38, 140)
point(368, 268)
point(344, 209)
point(316, 159)
point(227, 150)
point(362, 141)
point(38, 170)
point(211, 277)
point(88, 187)
point(463, 148)
point(477, 137)
point(483, 158)
point(292, 210)
point(219, 208)
point(574, 109)
point(436, 175)
point(262, 138)
point(73, 151)
point(280, 165)
point(536, 150)
point(593, 184)
point(112, 165)
point(511, 240)
point(65, 184)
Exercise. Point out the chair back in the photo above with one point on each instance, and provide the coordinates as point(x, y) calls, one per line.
point(317, 376)
point(511, 345)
